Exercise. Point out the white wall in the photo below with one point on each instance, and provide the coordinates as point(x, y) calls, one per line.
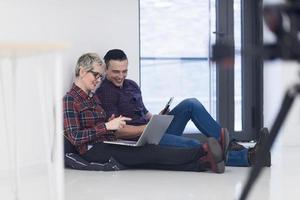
point(278, 77)
point(85, 25)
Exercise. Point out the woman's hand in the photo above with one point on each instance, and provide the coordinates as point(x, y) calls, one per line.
point(111, 117)
point(117, 123)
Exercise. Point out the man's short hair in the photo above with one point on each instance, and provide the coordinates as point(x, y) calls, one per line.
point(114, 54)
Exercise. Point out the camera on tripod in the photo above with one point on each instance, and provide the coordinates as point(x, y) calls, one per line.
point(284, 21)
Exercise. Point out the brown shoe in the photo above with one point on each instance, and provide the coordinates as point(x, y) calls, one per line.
point(214, 156)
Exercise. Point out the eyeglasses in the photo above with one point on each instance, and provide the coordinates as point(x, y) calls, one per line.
point(97, 75)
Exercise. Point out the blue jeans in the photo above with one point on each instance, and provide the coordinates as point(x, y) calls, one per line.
point(192, 109)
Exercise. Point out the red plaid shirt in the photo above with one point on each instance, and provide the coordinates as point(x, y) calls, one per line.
point(84, 119)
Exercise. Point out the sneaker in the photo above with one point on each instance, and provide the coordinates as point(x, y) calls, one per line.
point(224, 142)
point(263, 136)
point(214, 156)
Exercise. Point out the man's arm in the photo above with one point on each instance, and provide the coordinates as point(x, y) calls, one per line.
point(130, 132)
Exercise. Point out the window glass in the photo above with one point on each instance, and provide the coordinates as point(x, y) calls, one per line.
point(175, 45)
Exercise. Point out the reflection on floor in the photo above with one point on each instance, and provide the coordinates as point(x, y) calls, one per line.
point(281, 181)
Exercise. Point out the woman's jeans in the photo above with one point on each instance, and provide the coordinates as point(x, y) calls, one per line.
point(192, 109)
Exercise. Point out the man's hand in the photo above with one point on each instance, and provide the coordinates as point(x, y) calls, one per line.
point(117, 123)
point(164, 111)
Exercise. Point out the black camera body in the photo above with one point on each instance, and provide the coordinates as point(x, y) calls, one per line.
point(284, 21)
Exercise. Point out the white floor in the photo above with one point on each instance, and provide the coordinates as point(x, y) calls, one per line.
point(281, 181)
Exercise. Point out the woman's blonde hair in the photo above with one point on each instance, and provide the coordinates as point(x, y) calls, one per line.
point(86, 62)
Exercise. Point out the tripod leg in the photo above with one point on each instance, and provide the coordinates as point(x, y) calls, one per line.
point(262, 152)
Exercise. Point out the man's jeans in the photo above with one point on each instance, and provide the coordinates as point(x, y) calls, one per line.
point(192, 109)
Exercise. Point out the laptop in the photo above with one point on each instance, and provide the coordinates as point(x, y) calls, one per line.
point(152, 134)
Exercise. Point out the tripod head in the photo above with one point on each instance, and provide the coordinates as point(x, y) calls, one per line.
point(284, 21)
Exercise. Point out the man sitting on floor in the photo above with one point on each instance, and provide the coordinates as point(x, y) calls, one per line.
point(121, 96)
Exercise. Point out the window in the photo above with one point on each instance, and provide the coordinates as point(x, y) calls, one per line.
point(175, 42)
point(176, 38)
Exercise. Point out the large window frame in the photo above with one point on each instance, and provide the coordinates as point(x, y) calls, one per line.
point(252, 69)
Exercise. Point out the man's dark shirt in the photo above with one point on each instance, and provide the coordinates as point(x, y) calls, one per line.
point(126, 101)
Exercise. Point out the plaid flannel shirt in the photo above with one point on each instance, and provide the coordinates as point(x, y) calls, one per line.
point(84, 119)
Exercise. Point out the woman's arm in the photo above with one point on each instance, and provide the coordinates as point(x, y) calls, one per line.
point(130, 132)
point(72, 128)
